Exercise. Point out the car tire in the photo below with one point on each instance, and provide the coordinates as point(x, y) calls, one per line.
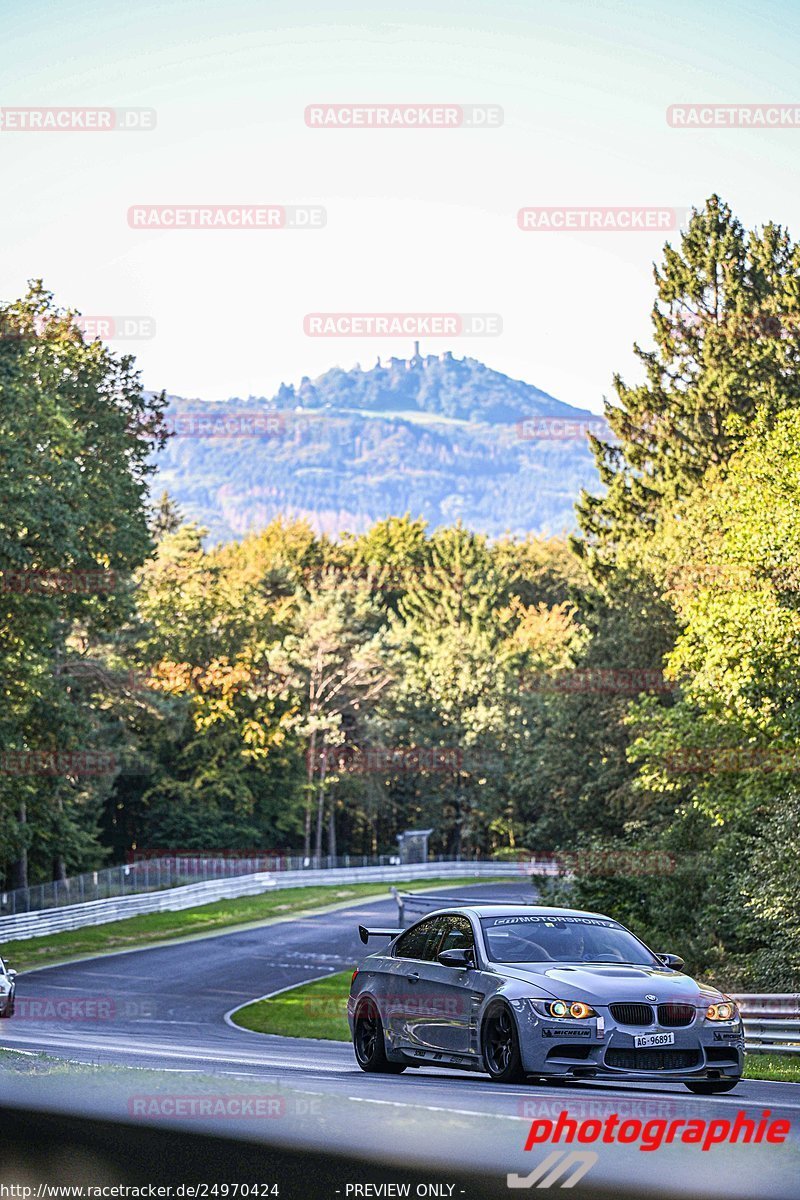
point(502, 1058)
point(708, 1088)
point(368, 1041)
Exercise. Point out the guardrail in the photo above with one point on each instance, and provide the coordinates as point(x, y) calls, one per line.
point(154, 871)
point(100, 912)
point(412, 905)
point(771, 1022)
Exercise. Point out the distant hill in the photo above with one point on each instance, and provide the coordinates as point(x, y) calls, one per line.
point(439, 437)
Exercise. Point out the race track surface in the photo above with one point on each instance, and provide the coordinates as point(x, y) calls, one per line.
point(164, 1010)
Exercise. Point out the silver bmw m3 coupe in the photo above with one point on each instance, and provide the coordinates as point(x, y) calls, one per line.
point(523, 991)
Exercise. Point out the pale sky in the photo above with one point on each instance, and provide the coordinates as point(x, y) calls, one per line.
point(417, 220)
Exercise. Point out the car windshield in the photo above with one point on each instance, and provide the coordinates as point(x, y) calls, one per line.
point(562, 939)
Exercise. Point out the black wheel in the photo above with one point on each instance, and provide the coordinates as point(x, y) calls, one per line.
point(501, 1055)
point(368, 1042)
point(707, 1088)
point(9, 1011)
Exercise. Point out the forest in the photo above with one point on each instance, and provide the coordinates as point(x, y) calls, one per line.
point(626, 697)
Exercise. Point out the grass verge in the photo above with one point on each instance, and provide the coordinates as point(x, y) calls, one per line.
point(783, 1068)
point(133, 932)
point(313, 1010)
point(319, 1010)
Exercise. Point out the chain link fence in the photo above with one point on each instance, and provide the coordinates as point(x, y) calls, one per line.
point(170, 871)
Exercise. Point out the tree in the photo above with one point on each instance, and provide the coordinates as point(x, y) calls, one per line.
point(76, 437)
point(334, 663)
point(464, 638)
point(723, 759)
point(165, 517)
point(727, 345)
point(726, 354)
point(213, 752)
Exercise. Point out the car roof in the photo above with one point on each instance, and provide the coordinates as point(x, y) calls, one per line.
point(518, 910)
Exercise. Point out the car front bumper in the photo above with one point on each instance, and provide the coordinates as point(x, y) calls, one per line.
point(605, 1049)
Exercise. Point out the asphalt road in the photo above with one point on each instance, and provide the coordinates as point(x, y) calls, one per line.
point(165, 1010)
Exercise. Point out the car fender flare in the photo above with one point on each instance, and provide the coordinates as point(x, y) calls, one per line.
point(364, 998)
point(497, 998)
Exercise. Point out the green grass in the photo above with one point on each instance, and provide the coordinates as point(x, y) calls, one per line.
point(133, 932)
point(314, 1010)
point(781, 1067)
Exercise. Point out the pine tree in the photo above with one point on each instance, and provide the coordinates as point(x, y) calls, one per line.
point(726, 327)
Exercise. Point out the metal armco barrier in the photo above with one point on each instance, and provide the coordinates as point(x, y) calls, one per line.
point(413, 905)
point(771, 1022)
point(152, 872)
point(100, 912)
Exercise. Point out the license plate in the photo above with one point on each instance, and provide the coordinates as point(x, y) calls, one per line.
point(653, 1039)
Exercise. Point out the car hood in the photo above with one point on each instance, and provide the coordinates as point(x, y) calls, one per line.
point(605, 983)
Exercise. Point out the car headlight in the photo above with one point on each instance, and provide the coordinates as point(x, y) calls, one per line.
point(725, 1010)
point(570, 1010)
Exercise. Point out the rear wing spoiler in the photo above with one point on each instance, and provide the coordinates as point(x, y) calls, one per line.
point(365, 934)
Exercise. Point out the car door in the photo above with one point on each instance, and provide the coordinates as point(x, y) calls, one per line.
point(400, 999)
point(439, 1013)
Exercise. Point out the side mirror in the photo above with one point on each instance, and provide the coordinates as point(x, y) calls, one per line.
point(673, 960)
point(455, 958)
point(11, 974)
